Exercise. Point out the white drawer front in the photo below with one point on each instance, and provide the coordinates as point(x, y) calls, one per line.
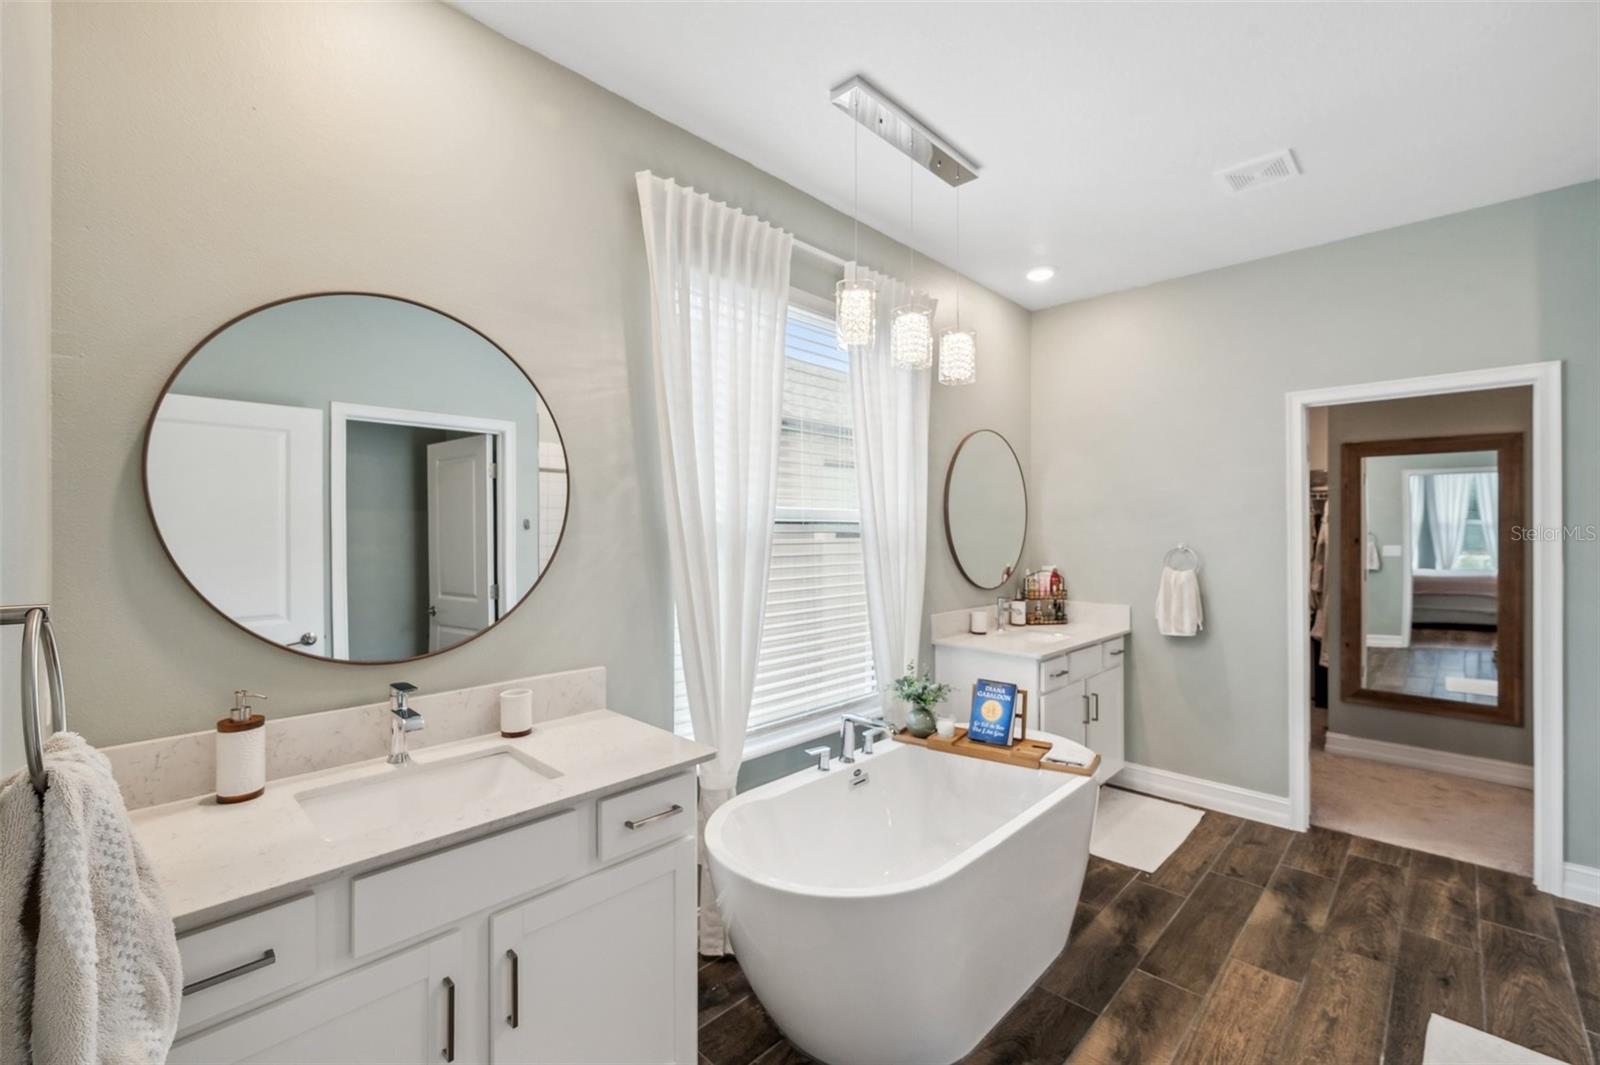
point(643, 817)
point(1111, 652)
point(407, 900)
point(239, 961)
point(1055, 673)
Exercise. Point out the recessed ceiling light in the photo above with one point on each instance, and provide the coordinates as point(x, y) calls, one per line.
point(1041, 273)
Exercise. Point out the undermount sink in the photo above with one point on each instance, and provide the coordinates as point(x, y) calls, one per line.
point(411, 792)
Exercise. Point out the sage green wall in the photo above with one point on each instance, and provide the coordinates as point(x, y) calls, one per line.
point(1501, 410)
point(1166, 413)
point(211, 157)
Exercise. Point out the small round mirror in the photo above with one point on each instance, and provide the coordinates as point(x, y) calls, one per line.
point(985, 508)
point(356, 477)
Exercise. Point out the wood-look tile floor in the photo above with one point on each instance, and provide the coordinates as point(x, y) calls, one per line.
point(1253, 944)
point(1433, 658)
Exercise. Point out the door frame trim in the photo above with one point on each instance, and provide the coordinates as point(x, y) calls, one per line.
point(340, 415)
point(1546, 660)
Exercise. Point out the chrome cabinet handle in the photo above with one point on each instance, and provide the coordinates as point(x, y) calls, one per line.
point(653, 818)
point(1062, 673)
point(266, 959)
point(1096, 697)
point(514, 1018)
point(450, 1020)
point(305, 639)
point(1085, 709)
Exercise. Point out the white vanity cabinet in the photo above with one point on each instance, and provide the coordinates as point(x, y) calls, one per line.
point(401, 1009)
point(599, 971)
point(569, 938)
point(1074, 683)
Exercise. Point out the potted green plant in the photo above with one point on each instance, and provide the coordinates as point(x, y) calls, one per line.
point(921, 694)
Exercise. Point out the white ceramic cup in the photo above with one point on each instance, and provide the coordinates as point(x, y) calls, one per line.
point(516, 712)
point(947, 728)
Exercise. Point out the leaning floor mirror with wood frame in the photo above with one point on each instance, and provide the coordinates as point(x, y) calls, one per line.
point(1432, 579)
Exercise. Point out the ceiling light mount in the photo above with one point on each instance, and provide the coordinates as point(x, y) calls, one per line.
point(883, 115)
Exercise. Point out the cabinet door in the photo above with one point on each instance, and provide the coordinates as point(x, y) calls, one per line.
point(1106, 721)
point(1064, 710)
point(601, 970)
point(395, 1010)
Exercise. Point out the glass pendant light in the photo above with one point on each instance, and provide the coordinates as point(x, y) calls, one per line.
point(855, 300)
point(911, 334)
point(958, 347)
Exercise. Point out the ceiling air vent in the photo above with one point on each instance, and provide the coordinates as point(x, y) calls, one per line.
point(1258, 173)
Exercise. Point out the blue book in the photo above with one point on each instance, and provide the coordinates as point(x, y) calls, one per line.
point(994, 706)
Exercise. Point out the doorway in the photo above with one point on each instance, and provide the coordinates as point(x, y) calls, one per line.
point(438, 491)
point(1544, 601)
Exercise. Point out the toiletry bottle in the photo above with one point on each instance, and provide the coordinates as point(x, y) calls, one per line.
point(241, 751)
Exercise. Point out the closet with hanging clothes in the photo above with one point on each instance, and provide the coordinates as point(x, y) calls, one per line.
point(1318, 578)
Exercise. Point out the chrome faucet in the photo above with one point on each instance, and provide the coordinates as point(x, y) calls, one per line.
point(875, 726)
point(402, 719)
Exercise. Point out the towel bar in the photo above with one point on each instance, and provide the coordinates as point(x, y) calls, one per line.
point(37, 633)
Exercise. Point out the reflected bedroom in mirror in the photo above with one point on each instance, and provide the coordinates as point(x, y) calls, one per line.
point(356, 477)
point(1432, 592)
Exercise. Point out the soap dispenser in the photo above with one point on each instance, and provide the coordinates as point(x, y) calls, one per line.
point(241, 751)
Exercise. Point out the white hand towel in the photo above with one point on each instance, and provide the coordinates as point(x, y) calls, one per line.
point(1178, 611)
point(91, 972)
point(1068, 752)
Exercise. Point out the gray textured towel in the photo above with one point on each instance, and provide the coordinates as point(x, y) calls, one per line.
point(90, 964)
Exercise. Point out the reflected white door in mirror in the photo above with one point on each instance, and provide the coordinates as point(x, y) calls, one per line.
point(356, 476)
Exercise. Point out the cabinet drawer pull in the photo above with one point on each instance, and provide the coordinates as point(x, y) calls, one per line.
point(653, 818)
point(1085, 709)
point(514, 1018)
point(1114, 651)
point(266, 959)
point(1061, 673)
point(450, 1020)
point(1096, 697)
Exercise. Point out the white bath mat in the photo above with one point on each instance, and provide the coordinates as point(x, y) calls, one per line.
point(1137, 830)
point(1472, 686)
point(1449, 1042)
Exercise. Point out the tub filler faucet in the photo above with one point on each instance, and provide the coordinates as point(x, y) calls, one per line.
point(877, 728)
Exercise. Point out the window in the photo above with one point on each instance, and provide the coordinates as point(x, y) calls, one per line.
point(816, 647)
point(1477, 536)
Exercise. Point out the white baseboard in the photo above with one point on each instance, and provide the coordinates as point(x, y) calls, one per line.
point(1581, 884)
point(1383, 639)
point(1462, 765)
point(1196, 791)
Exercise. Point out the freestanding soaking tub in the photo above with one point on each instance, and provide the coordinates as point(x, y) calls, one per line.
point(891, 911)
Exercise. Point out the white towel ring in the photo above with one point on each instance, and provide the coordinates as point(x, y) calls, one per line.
point(1174, 558)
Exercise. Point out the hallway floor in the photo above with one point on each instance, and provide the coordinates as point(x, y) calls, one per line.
point(1473, 820)
point(1257, 944)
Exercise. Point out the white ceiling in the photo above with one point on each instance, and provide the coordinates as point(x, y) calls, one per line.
point(1098, 127)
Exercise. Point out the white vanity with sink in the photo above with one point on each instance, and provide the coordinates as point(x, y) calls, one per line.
point(1073, 673)
point(506, 900)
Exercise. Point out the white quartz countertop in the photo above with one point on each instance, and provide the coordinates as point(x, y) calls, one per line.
point(1037, 641)
point(214, 860)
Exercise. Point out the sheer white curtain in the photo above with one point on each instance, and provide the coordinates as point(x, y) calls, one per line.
point(890, 427)
point(1489, 510)
point(1448, 495)
point(719, 282)
point(1418, 484)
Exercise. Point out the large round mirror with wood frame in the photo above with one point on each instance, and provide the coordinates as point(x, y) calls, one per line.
point(356, 477)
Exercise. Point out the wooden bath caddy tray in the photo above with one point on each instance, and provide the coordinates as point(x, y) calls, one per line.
point(1029, 754)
